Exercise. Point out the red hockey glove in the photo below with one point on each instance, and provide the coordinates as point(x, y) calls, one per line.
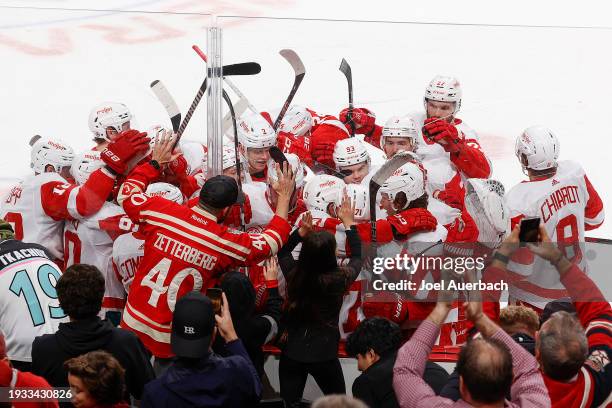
point(443, 133)
point(179, 167)
point(299, 146)
point(123, 149)
point(232, 218)
point(362, 118)
point(389, 305)
point(413, 220)
point(323, 152)
point(449, 197)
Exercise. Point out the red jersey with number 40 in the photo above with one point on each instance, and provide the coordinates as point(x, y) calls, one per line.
point(185, 250)
point(567, 205)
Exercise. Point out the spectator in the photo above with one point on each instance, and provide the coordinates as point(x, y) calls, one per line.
point(96, 380)
point(254, 330)
point(11, 377)
point(485, 366)
point(338, 401)
point(199, 377)
point(80, 291)
point(575, 363)
point(375, 343)
point(26, 312)
point(522, 324)
point(315, 289)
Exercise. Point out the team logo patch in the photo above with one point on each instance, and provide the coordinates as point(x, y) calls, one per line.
point(598, 360)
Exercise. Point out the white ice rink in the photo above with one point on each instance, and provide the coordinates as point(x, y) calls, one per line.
point(57, 64)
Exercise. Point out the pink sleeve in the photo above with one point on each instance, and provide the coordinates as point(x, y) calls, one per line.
point(594, 210)
point(410, 388)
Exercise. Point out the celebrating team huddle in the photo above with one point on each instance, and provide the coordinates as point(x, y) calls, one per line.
point(149, 217)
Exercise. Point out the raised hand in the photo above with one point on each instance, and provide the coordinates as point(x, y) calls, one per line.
point(305, 224)
point(346, 212)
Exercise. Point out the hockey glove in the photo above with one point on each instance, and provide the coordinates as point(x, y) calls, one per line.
point(412, 220)
point(389, 305)
point(127, 146)
point(362, 118)
point(323, 152)
point(443, 133)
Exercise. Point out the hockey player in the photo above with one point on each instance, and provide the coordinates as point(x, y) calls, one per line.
point(106, 121)
point(399, 134)
point(261, 199)
point(38, 206)
point(128, 249)
point(561, 195)
point(351, 158)
point(185, 248)
point(28, 304)
point(89, 240)
point(323, 196)
point(256, 136)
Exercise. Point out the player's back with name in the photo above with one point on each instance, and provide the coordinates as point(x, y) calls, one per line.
point(13, 251)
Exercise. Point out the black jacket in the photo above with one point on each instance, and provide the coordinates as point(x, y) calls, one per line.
point(254, 330)
point(313, 335)
point(375, 385)
point(49, 352)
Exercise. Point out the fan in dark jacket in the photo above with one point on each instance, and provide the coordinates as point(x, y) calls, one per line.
point(315, 289)
point(253, 329)
point(375, 343)
point(80, 290)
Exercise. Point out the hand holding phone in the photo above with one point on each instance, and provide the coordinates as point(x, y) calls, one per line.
point(215, 296)
point(530, 229)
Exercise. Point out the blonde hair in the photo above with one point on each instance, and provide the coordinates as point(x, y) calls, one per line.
point(512, 317)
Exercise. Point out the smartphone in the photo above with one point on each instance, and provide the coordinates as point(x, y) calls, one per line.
point(214, 294)
point(530, 229)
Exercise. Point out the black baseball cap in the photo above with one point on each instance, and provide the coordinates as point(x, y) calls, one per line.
point(220, 192)
point(193, 323)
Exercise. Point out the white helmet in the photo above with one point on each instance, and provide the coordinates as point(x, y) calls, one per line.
point(254, 131)
point(297, 121)
point(348, 152)
point(108, 114)
point(167, 191)
point(229, 156)
point(359, 197)
point(398, 126)
point(54, 152)
point(296, 166)
point(409, 179)
point(84, 164)
point(537, 148)
point(484, 201)
point(322, 190)
point(195, 154)
point(444, 89)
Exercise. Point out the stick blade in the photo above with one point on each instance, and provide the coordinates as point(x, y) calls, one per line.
point(295, 61)
point(166, 99)
point(345, 68)
point(277, 155)
point(244, 68)
point(389, 167)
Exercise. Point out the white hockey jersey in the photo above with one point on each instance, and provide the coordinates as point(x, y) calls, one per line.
point(23, 208)
point(128, 251)
point(28, 303)
point(90, 241)
point(567, 205)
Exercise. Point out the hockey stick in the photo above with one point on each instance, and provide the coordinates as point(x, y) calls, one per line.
point(227, 81)
point(345, 68)
point(166, 99)
point(379, 179)
point(245, 68)
point(238, 162)
point(298, 67)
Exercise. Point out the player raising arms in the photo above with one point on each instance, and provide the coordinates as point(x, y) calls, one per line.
point(38, 206)
point(561, 195)
point(185, 248)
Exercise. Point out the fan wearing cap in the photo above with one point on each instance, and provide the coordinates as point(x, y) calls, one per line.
point(186, 248)
point(198, 377)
